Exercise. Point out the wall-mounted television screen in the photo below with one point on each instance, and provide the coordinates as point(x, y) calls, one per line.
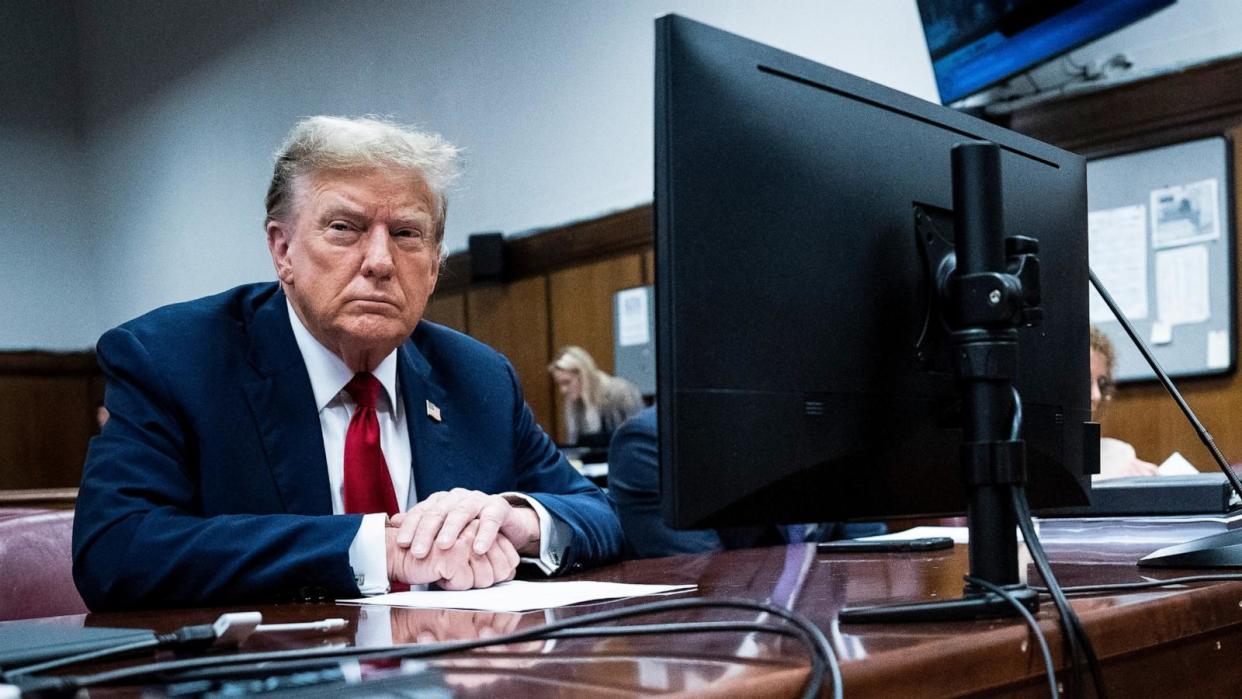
point(975, 44)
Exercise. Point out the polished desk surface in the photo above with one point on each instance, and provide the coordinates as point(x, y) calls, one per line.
point(1182, 641)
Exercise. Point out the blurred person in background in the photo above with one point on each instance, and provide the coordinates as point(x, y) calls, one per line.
point(1117, 458)
point(596, 403)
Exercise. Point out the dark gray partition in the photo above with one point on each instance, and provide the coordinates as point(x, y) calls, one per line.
point(1161, 230)
point(633, 313)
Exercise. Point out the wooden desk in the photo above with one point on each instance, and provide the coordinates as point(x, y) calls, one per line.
point(1166, 643)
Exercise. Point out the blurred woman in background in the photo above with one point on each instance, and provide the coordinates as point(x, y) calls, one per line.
point(595, 403)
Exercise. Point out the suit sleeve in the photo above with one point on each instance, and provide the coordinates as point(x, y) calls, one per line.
point(578, 505)
point(140, 538)
point(634, 488)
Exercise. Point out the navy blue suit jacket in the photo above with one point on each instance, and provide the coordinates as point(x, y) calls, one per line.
point(634, 488)
point(209, 484)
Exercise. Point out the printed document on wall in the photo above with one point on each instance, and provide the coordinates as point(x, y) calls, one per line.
point(632, 322)
point(1184, 214)
point(1117, 249)
point(1182, 285)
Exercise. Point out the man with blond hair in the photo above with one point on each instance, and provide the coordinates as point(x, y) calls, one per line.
point(315, 437)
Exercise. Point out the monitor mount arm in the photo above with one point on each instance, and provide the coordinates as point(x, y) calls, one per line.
point(990, 288)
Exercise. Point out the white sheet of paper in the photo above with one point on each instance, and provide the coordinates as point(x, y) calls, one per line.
point(1182, 285)
point(1182, 214)
point(519, 595)
point(1117, 248)
point(632, 323)
point(1217, 349)
point(1176, 465)
point(959, 535)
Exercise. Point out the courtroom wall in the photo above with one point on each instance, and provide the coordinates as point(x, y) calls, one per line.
point(184, 102)
point(179, 105)
point(48, 293)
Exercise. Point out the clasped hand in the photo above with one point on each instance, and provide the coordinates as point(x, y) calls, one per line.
point(460, 539)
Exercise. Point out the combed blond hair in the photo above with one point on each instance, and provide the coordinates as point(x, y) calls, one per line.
point(326, 143)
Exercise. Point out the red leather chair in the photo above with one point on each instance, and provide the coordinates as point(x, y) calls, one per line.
point(36, 565)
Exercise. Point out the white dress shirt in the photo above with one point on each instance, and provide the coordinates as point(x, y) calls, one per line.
point(328, 377)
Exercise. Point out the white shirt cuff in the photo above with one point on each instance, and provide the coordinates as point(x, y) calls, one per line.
point(549, 560)
point(368, 557)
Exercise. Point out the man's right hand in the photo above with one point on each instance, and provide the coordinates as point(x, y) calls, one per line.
point(453, 568)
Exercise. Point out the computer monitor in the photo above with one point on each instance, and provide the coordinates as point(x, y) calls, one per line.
point(803, 363)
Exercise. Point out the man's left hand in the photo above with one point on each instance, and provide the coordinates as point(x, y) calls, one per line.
point(440, 519)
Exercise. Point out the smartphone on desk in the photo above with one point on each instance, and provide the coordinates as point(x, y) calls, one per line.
point(927, 543)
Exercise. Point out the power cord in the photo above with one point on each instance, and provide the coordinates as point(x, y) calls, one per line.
point(228, 630)
point(823, 657)
point(1075, 637)
point(1146, 584)
point(1036, 631)
point(1071, 626)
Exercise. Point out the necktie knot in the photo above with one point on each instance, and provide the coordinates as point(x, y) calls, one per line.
point(364, 388)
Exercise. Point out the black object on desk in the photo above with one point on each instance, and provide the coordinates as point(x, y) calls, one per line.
point(1192, 494)
point(25, 643)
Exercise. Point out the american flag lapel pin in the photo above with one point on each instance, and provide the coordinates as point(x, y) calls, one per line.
point(433, 412)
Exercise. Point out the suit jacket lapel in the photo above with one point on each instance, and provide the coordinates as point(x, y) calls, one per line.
point(283, 406)
point(429, 438)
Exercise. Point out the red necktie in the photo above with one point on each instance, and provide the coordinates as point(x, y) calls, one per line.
point(368, 486)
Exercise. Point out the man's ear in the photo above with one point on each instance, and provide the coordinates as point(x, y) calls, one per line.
point(278, 239)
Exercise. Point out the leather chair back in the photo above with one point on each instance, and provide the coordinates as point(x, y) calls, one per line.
point(36, 561)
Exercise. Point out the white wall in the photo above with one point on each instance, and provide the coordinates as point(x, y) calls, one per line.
point(47, 284)
point(552, 102)
point(183, 102)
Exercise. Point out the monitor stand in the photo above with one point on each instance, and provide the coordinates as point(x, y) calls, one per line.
point(990, 289)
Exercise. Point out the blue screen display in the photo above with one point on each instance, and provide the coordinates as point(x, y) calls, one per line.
point(977, 43)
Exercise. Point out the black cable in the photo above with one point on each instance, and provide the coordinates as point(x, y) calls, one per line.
point(821, 652)
point(1063, 610)
point(1070, 624)
point(194, 637)
point(807, 634)
point(111, 651)
point(1204, 435)
point(1146, 584)
point(292, 666)
point(1036, 631)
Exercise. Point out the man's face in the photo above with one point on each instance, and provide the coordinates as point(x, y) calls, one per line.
point(1099, 380)
point(358, 259)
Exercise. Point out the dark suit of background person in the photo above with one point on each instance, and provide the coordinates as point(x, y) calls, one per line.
point(634, 488)
point(209, 483)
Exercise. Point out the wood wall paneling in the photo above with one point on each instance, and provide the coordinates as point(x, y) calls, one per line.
point(46, 423)
point(649, 267)
point(513, 319)
point(581, 307)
